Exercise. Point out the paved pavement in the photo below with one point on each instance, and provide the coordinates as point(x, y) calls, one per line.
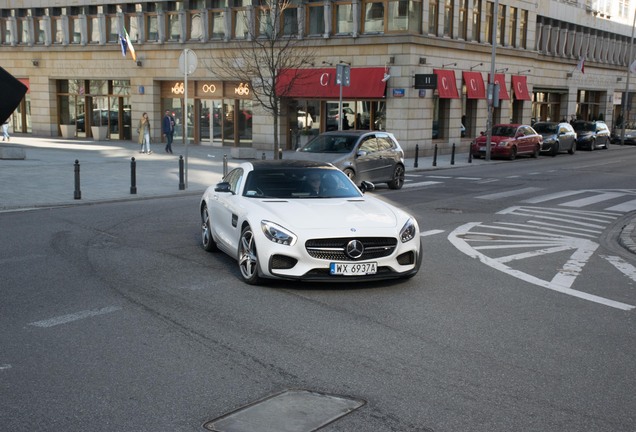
point(47, 176)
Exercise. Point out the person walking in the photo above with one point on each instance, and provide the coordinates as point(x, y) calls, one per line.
point(167, 127)
point(5, 130)
point(144, 133)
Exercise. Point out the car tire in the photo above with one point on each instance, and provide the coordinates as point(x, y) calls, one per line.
point(248, 258)
point(572, 149)
point(535, 153)
point(555, 149)
point(207, 240)
point(513, 153)
point(592, 145)
point(398, 178)
point(477, 156)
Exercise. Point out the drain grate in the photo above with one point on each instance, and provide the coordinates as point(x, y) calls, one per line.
point(289, 411)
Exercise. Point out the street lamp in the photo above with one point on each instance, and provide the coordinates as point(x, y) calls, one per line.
point(629, 72)
point(491, 85)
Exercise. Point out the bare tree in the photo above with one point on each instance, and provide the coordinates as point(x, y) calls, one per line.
point(271, 48)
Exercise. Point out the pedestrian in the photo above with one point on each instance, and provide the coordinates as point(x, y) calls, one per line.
point(5, 130)
point(144, 134)
point(167, 126)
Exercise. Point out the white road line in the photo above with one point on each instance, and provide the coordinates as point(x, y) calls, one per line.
point(430, 233)
point(624, 207)
point(489, 181)
point(5, 366)
point(622, 266)
point(558, 284)
point(419, 184)
point(510, 193)
point(438, 177)
point(469, 178)
point(64, 319)
point(592, 200)
point(550, 197)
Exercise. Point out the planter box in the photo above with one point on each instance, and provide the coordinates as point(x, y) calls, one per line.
point(100, 133)
point(68, 131)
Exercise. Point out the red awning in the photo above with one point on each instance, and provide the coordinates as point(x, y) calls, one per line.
point(321, 83)
point(520, 87)
point(446, 84)
point(474, 85)
point(503, 91)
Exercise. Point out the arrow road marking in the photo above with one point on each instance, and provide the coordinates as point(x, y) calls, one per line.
point(621, 265)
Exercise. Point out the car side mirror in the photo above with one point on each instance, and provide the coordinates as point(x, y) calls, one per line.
point(223, 187)
point(366, 186)
point(362, 153)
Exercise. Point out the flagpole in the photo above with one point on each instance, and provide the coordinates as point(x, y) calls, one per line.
point(629, 72)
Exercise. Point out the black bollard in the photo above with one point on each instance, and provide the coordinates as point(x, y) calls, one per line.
point(133, 176)
point(181, 182)
point(435, 156)
point(470, 154)
point(224, 165)
point(263, 156)
point(453, 155)
point(417, 151)
point(78, 193)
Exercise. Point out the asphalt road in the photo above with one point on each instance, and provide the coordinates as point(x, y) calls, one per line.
point(114, 319)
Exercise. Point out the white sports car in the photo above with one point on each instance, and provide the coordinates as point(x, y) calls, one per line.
point(303, 220)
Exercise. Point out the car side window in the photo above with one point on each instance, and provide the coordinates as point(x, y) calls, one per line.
point(234, 178)
point(369, 145)
point(384, 143)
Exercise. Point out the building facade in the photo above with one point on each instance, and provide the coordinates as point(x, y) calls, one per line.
point(554, 59)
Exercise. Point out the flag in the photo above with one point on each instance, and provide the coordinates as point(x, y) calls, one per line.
point(581, 65)
point(124, 44)
point(130, 45)
point(632, 67)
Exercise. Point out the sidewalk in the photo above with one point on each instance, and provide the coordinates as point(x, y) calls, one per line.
point(47, 176)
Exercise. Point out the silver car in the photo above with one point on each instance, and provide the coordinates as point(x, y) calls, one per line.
point(374, 156)
point(557, 137)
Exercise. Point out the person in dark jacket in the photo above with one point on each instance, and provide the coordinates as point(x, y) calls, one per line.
point(167, 127)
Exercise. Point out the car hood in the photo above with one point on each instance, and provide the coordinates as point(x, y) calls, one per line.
point(333, 214)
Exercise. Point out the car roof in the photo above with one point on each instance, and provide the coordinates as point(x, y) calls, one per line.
point(509, 124)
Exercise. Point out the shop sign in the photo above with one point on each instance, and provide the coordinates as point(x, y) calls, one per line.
point(398, 93)
point(209, 89)
point(238, 90)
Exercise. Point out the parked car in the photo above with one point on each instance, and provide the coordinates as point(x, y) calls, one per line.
point(374, 156)
point(557, 137)
point(630, 134)
point(591, 135)
point(508, 141)
point(264, 215)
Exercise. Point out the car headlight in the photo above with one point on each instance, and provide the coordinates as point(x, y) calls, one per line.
point(503, 144)
point(407, 232)
point(549, 140)
point(277, 233)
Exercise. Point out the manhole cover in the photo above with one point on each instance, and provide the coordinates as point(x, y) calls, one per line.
point(289, 411)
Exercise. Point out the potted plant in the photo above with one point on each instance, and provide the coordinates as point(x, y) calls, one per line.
point(68, 130)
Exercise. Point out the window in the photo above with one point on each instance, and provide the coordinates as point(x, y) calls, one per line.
point(476, 21)
point(290, 20)
point(173, 27)
point(240, 23)
point(512, 27)
point(490, 12)
point(623, 6)
point(523, 29)
point(217, 23)
point(463, 20)
point(315, 13)
point(404, 15)
point(152, 27)
point(374, 16)
point(501, 25)
point(432, 16)
point(449, 10)
point(93, 29)
point(343, 15)
point(195, 26)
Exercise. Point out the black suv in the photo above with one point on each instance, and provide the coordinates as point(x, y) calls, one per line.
point(591, 135)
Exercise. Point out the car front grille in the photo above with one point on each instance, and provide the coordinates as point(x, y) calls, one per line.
point(335, 249)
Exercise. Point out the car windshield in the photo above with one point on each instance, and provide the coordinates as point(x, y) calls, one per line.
point(545, 127)
point(331, 144)
point(296, 183)
point(506, 131)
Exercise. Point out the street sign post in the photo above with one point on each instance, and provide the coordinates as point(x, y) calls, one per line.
point(188, 62)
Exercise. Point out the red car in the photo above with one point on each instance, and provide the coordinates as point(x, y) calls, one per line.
point(508, 141)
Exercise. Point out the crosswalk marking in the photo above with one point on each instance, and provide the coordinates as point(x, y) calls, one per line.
point(624, 207)
point(419, 184)
point(600, 197)
point(622, 266)
point(550, 197)
point(509, 193)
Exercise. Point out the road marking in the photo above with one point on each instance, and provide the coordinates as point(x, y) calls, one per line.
point(550, 197)
point(561, 282)
point(624, 207)
point(426, 183)
point(64, 319)
point(469, 178)
point(592, 200)
point(622, 266)
point(5, 366)
point(430, 233)
point(438, 177)
point(509, 193)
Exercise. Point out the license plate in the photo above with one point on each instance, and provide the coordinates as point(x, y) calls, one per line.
point(353, 269)
point(482, 148)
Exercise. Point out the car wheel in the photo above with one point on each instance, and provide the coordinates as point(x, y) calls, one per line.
point(349, 173)
point(555, 149)
point(398, 178)
point(247, 257)
point(477, 156)
point(535, 153)
point(592, 145)
point(572, 149)
point(513, 153)
point(206, 231)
